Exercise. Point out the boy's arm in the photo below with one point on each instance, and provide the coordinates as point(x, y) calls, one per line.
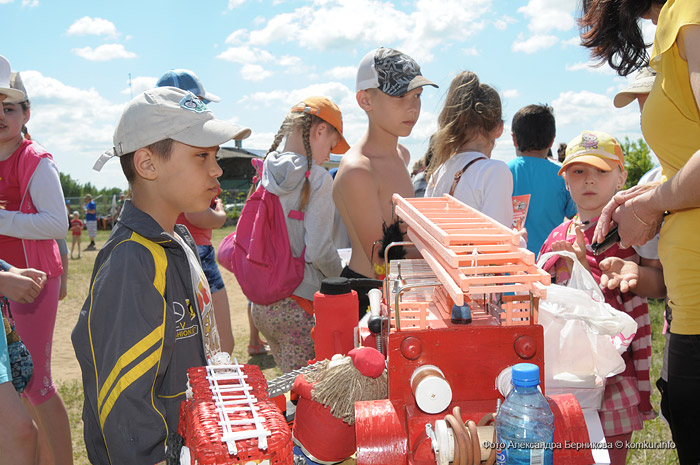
point(126, 342)
point(210, 218)
point(360, 193)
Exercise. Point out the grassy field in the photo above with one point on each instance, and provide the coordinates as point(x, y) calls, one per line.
point(655, 431)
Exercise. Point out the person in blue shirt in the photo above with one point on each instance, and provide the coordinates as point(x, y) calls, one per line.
point(90, 220)
point(533, 129)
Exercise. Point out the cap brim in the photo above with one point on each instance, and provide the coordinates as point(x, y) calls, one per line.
point(211, 133)
point(341, 147)
point(211, 97)
point(13, 95)
point(593, 160)
point(420, 81)
point(622, 99)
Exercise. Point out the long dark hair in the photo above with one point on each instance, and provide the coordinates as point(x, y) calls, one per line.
point(610, 28)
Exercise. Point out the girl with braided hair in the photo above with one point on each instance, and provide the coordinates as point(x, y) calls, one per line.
point(311, 131)
point(468, 127)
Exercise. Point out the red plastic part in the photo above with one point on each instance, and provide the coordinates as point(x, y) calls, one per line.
point(525, 347)
point(336, 320)
point(569, 425)
point(381, 438)
point(411, 348)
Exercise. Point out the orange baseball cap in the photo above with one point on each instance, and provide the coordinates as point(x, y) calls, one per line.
point(328, 112)
point(594, 148)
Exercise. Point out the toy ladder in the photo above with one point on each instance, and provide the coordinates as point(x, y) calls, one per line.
point(231, 395)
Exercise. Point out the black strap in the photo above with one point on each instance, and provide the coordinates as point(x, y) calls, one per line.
point(459, 174)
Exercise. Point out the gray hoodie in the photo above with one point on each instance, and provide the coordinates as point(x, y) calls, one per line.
point(283, 175)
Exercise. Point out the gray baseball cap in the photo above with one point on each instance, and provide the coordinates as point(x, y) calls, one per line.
point(642, 84)
point(390, 71)
point(168, 113)
point(14, 93)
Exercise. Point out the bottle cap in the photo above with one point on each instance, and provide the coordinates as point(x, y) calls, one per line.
point(335, 286)
point(526, 375)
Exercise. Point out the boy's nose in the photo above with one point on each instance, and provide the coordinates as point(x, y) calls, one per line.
point(216, 169)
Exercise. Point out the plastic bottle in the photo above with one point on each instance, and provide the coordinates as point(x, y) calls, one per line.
point(525, 423)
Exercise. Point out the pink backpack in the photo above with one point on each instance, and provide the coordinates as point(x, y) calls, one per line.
point(258, 252)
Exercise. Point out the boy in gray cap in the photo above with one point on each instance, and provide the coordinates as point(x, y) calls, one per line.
point(148, 317)
point(389, 85)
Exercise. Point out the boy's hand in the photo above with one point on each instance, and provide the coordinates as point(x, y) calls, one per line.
point(618, 273)
point(22, 285)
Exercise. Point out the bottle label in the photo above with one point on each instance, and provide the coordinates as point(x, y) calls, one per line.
point(537, 456)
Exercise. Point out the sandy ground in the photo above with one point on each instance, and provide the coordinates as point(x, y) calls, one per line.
point(64, 364)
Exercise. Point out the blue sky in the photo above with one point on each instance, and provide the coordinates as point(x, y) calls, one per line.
point(261, 57)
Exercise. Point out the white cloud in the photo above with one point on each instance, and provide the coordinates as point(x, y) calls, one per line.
point(417, 32)
point(75, 125)
point(534, 43)
point(92, 26)
point(237, 37)
point(104, 52)
point(575, 41)
point(30, 3)
point(245, 55)
point(341, 72)
point(290, 61)
point(548, 15)
point(592, 111)
point(139, 84)
point(470, 52)
point(503, 22)
point(592, 67)
point(3, 2)
point(254, 73)
point(235, 4)
point(511, 93)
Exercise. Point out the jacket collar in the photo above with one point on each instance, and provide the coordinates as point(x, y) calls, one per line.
point(142, 223)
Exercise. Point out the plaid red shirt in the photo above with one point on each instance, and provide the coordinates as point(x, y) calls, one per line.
point(626, 400)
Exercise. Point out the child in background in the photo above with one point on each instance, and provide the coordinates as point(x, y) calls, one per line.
point(313, 129)
point(76, 227)
point(91, 221)
point(149, 316)
point(468, 127)
point(389, 86)
point(594, 172)
point(34, 216)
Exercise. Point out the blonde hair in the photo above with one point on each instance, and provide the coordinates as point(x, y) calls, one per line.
point(292, 121)
point(471, 109)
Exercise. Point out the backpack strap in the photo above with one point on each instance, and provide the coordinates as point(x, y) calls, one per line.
point(459, 174)
point(296, 215)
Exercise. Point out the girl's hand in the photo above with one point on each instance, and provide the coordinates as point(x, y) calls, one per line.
point(22, 285)
point(578, 248)
point(619, 273)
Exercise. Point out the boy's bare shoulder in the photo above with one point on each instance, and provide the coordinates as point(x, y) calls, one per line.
point(355, 167)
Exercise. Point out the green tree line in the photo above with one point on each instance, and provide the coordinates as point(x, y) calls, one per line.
point(72, 188)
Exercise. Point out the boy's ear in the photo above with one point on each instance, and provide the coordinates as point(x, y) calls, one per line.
point(364, 100)
point(515, 141)
point(144, 164)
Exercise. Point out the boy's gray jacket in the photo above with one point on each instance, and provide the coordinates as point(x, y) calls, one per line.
point(137, 334)
point(284, 175)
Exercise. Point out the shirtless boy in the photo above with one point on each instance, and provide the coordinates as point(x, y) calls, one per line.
point(389, 87)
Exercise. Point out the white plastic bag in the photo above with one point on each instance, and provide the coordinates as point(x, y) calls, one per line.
point(583, 335)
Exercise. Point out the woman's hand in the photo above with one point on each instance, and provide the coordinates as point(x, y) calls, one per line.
point(632, 229)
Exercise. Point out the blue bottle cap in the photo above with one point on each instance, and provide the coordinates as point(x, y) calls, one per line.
point(526, 375)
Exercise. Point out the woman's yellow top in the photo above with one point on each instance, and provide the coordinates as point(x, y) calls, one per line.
point(671, 127)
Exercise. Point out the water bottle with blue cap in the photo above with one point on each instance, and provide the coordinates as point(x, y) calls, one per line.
point(525, 423)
